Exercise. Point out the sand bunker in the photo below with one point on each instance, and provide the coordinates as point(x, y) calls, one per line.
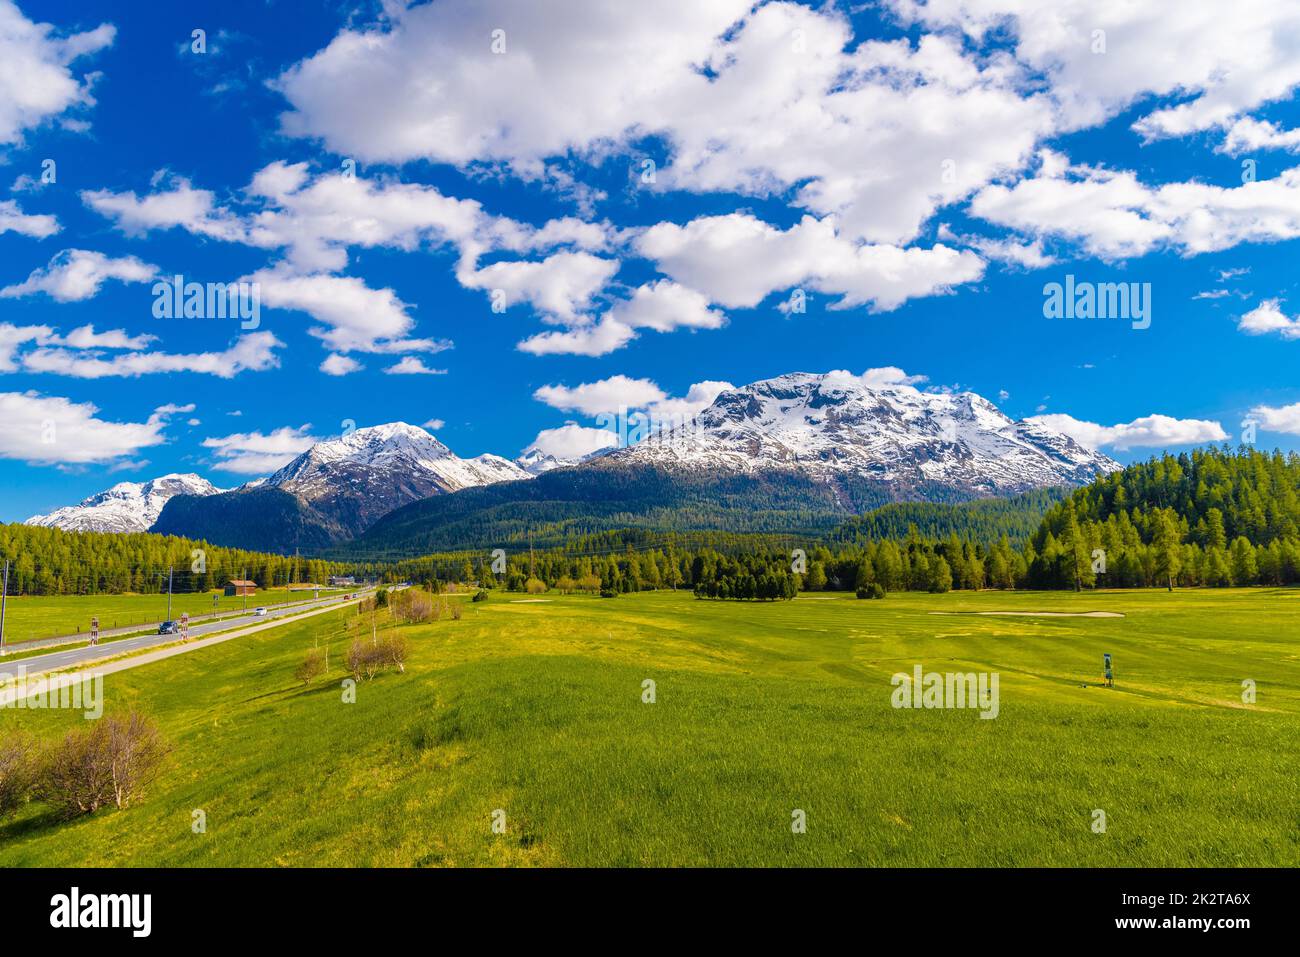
point(1038, 614)
point(529, 601)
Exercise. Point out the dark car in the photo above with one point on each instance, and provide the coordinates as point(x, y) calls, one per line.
point(169, 628)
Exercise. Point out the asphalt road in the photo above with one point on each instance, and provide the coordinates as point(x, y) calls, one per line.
point(77, 656)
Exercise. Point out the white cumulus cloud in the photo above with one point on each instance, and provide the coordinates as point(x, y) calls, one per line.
point(1150, 431)
point(257, 453)
point(77, 274)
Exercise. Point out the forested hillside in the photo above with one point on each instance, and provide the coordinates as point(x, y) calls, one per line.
point(49, 561)
point(1208, 517)
point(1211, 517)
point(984, 520)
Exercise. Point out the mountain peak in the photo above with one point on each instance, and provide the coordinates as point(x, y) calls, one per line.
point(836, 424)
point(358, 477)
point(127, 506)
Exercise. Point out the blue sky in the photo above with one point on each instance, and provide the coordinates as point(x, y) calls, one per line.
point(794, 148)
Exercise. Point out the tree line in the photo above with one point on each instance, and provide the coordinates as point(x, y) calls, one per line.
point(50, 561)
point(1212, 517)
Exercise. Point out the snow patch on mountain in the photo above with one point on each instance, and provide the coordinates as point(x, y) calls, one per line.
point(126, 507)
point(830, 425)
point(396, 451)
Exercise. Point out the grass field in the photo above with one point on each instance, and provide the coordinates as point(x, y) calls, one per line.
point(535, 708)
point(45, 616)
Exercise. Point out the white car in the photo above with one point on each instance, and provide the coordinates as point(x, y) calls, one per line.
point(259, 612)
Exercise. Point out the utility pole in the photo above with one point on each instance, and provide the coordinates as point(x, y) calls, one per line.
point(4, 595)
point(244, 588)
point(169, 593)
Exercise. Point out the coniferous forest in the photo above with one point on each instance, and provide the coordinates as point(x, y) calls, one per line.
point(1212, 517)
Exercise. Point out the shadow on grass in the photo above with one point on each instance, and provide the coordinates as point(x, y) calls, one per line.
point(43, 819)
point(300, 690)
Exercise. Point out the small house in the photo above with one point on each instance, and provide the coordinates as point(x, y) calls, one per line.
point(236, 587)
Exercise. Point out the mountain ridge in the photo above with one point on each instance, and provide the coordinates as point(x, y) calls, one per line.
point(841, 443)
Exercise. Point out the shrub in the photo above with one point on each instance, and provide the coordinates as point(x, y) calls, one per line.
point(872, 590)
point(381, 598)
point(113, 761)
point(534, 586)
point(480, 595)
point(369, 657)
point(608, 593)
point(411, 606)
point(17, 772)
point(313, 666)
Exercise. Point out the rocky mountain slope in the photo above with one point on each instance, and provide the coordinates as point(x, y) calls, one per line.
point(127, 506)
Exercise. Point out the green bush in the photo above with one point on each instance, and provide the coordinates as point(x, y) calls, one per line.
point(480, 595)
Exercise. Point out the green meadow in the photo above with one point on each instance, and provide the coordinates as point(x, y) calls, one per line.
point(535, 709)
point(45, 616)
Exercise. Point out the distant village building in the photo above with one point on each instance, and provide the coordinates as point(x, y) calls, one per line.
point(342, 581)
point(304, 586)
point(237, 587)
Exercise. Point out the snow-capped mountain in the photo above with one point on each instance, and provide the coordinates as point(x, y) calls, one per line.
point(126, 507)
point(368, 473)
point(832, 433)
point(834, 424)
point(536, 462)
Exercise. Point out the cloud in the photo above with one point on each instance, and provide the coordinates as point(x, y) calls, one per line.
point(738, 260)
point(1114, 216)
point(664, 306)
point(1251, 136)
point(1284, 418)
point(412, 365)
point(255, 453)
point(178, 205)
point(886, 377)
point(592, 339)
point(620, 393)
point(1151, 431)
point(12, 337)
point(698, 397)
point(562, 285)
point(782, 98)
point(1219, 65)
point(338, 365)
point(77, 274)
point(53, 430)
point(450, 98)
point(353, 316)
point(37, 83)
point(14, 220)
point(433, 424)
point(85, 337)
point(605, 396)
point(314, 221)
point(1268, 318)
point(572, 441)
point(254, 352)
